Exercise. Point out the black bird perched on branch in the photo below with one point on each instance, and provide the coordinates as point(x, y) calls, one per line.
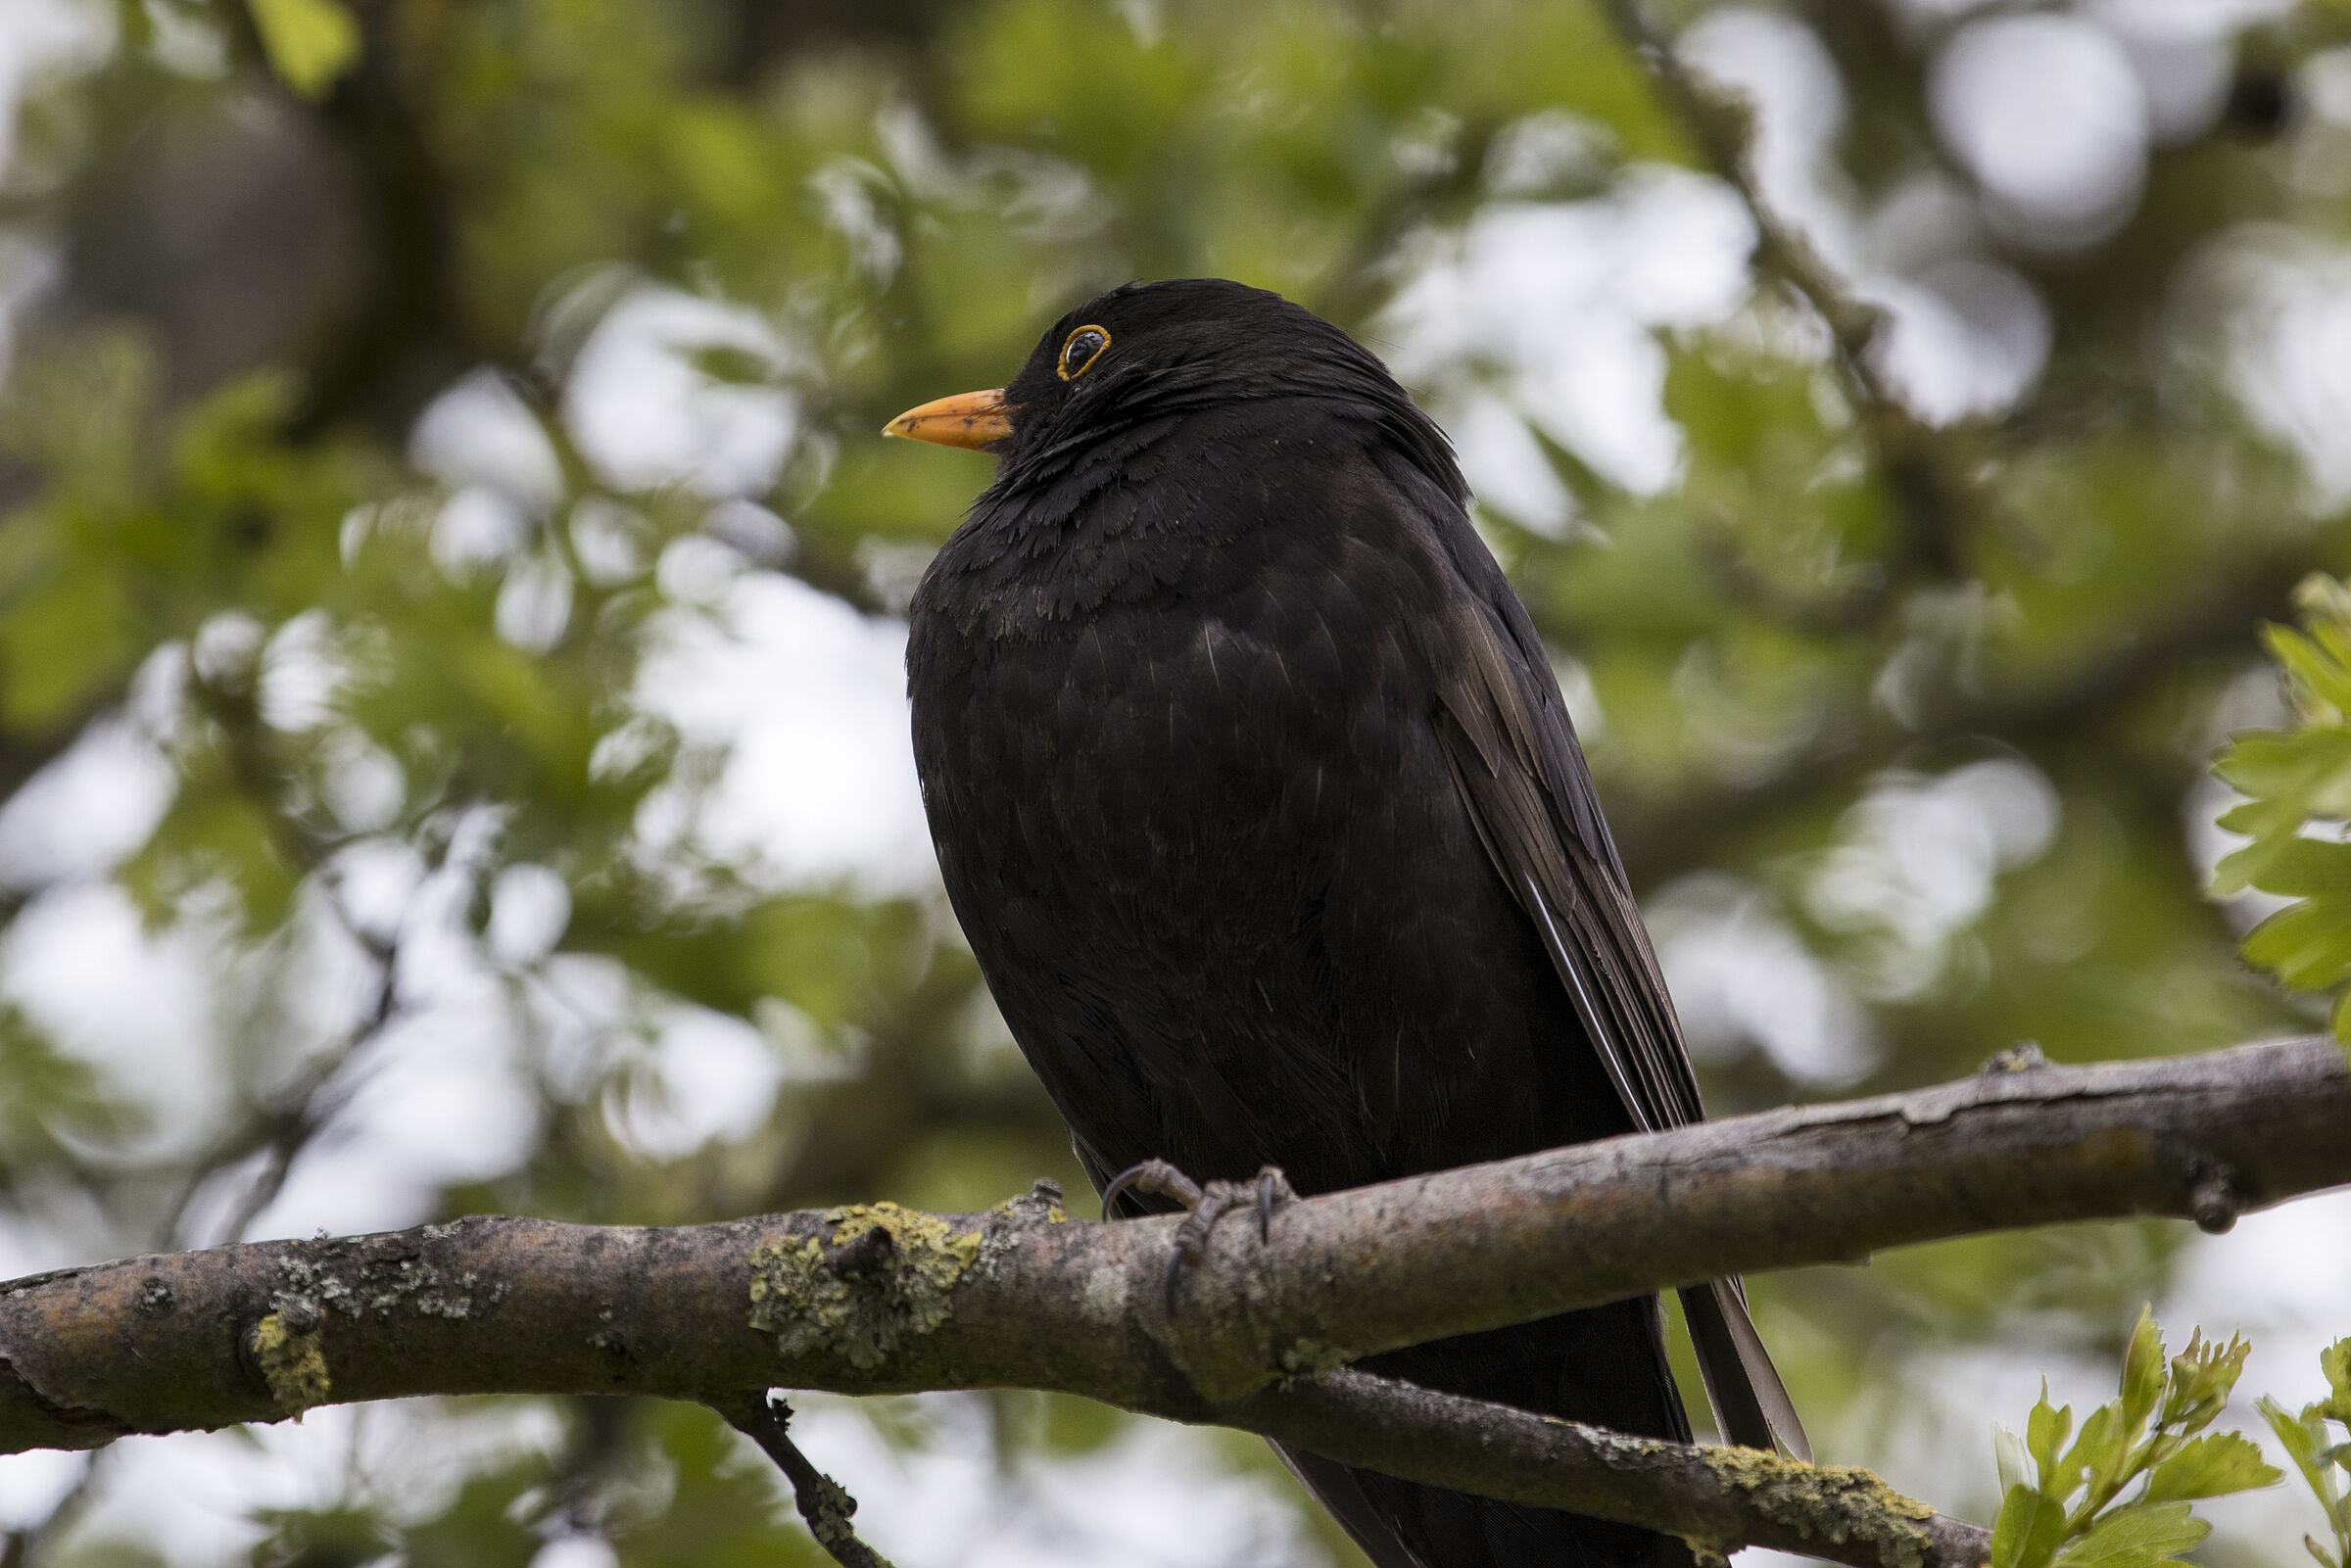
point(1254, 794)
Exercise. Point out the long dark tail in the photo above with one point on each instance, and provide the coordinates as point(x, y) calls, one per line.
point(1750, 1404)
point(1606, 1365)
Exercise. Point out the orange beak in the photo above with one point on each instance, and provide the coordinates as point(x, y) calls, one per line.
point(968, 419)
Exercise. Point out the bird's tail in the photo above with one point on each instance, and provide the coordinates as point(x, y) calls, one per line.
point(1750, 1404)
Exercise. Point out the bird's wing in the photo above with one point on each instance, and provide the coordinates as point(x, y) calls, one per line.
point(1523, 778)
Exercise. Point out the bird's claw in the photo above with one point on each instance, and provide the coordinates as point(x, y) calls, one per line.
point(1273, 1189)
point(1204, 1207)
point(1152, 1176)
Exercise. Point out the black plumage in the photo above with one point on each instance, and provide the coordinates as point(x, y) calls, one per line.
point(1255, 797)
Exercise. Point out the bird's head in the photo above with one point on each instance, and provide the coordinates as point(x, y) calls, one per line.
point(1147, 349)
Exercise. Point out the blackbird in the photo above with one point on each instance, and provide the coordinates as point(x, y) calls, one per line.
point(1254, 792)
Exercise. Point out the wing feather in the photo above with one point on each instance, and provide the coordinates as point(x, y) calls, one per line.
point(1515, 760)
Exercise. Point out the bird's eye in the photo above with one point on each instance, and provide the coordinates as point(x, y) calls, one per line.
point(1080, 350)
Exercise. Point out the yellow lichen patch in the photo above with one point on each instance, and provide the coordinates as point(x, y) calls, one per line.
point(813, 1305)
point(294, 1360)
point(1828, 1502)
point(1024, 1209)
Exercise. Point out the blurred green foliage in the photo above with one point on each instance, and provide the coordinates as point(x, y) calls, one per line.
point(1931, 726)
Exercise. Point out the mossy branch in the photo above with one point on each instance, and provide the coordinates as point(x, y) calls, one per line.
point(876, 1299)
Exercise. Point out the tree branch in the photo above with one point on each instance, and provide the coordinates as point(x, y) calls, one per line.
point(823, 1502)
point(1717, 1499)
point(875, 1299)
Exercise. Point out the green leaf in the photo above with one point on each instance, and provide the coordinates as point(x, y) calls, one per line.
point(2045, 1432)
point(2010, 1459)
point(309, 42)
point(2335, 1361)
point(2317, 668)
point(2302, 1437)
point(2212, 1466)
point(2305, 768)
point(2142, 1372)
point(2306, 946)
point(2307, 868)
point(2203, 1375)
point(2100, 1449)
point(2028, 1530)
point(2144, 1533)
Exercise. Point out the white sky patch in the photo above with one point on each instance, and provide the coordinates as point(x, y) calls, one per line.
point(2278, 314)
point(811, 697)
point(1740, 977)
point(1967, 336)
point(1556, 304)
point(136, 1004)
point(479, 432)
point(40, 36)
point(1917, 862)
point(1506, 465)
point(2324, 85)
point(445, 1093)
point(188, 1496)
point(608, 539)
point(441, 1099)
point(374, 880)
point(2182, 49)
point(1546, 149)
point(577, 1551)
point(2047, 112)
point(300, 673)
point(32, 1484)
point(478, 527)
point(2282, 1278)
point(1157, 1495)
point(534, 602)
point(647, 416)
point(80, 816)
point(708, 1078)
point(528, 908)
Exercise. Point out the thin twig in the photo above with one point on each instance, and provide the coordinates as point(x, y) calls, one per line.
point(821, 1501)
point(286, 1123)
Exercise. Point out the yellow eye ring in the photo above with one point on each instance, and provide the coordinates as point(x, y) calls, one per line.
point(1084, 347)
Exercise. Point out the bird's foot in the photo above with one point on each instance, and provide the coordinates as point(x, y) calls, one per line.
point(1204, 1207)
